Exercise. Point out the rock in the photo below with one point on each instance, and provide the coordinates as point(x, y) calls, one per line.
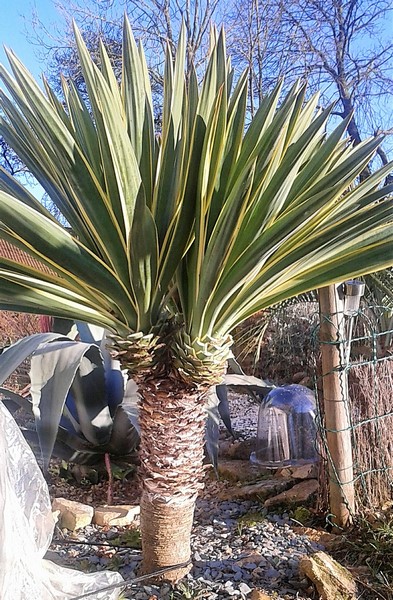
point(300, 493)
point(332, 580)
point(80, 472)
point(298, 377)
point(306, 471)
point(224, 449)
point(242, 450)
point(301, 378)
point(244, 588)
point(73, 515)
point(116, 516)
point(272, 573)
point(319, 536)
point(251, 557)
point(259, 595)
point(259, 491)
point(239, 470)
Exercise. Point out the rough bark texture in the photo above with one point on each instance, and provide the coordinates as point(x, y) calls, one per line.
point(172, 420)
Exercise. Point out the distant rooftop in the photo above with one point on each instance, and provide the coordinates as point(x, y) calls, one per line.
point(11, 252)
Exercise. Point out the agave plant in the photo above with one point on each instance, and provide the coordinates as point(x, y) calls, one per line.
point(81, 408)
point(83, 411)
point(178, 235)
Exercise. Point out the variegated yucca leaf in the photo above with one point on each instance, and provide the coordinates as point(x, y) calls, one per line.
point(204, 218)
point(379, 288)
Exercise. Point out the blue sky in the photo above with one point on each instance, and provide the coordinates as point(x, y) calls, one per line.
point(15, 17)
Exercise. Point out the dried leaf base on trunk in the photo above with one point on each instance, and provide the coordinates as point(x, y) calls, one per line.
point(172, 420)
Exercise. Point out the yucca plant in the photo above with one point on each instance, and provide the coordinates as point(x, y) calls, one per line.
point(178, 235)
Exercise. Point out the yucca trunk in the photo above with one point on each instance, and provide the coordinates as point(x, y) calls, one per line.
point(172, 421)
point(173, 377)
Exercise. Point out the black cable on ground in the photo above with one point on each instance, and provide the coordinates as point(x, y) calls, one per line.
point(86, 543)
point(126, 584)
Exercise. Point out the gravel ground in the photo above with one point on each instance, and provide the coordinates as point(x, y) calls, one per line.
point(244, 415)
point(236, 546)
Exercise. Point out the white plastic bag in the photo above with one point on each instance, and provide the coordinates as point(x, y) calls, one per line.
point(26, 529)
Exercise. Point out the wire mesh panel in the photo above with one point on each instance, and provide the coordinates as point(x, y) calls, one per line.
point(366, 375)
point(288, 351)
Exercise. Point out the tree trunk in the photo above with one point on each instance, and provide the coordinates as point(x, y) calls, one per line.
point(172, 421)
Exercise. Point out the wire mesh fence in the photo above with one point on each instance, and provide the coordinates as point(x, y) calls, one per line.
point(286, 348)
point(365, 373)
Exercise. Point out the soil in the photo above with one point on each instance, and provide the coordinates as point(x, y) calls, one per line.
point(74, 486)
point(125, 491)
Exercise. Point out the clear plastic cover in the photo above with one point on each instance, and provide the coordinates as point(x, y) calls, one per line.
point(286, 428)
point(26, 530)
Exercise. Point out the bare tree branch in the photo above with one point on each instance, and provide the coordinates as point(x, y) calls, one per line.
point(341, 47)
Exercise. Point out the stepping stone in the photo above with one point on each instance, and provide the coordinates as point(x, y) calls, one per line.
point(239, 470)
point(258, 491)
point(300, 493)
point(306, 471)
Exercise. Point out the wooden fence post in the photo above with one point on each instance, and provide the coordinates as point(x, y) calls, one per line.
point(335, 401)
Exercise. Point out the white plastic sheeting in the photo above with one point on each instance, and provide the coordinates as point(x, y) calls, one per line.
point(26, 529)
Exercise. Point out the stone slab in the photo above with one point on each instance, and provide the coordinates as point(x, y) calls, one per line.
point(239, 470)
point(306, 471)
point(72, 515)
point(118, 516)
point(332, 580)
point(255, 491)
point(300, 493)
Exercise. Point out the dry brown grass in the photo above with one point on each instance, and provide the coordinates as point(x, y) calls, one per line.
point(280, 347)
point(371, 407)
point(14, 326)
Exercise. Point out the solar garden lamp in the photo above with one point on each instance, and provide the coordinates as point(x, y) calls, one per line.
point(353, 291)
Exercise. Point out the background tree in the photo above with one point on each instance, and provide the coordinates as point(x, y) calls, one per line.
point(9, 160)
point(342, 47)
point(155, 24)
point(257, 42)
